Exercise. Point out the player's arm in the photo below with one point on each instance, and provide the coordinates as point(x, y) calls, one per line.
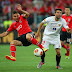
point(40, 26)
point(26, 14)
point(4, 34)
point(45, 21)
point(10, 29)
point(66, 26)
point(69, 30)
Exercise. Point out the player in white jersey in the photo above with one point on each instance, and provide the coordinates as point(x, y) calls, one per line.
point(52, 36)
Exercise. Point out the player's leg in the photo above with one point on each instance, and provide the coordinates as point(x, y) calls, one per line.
point(13, 49)
point(42, 61)
point(46, 45)
point(58, 57)
point(63, 45)
point(67, 51)
point(43, 57)
point(62, 38)
point(68, 48)
point(58, 53)
point(34, 41)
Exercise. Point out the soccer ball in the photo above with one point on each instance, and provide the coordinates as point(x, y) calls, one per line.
point(38, 52)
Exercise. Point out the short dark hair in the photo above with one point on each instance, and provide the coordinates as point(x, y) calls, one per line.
point(58, 9)
point(15, 11)
point(67, 7)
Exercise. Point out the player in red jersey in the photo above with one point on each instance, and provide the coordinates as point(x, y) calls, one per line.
point(26, 35)
point(65, 35)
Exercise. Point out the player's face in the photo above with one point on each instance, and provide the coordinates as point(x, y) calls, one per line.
point(67, 11)
point(16, 16)
point(58, 14)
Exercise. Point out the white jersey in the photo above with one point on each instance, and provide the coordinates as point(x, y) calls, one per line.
point(54, 27)
point(52, 30)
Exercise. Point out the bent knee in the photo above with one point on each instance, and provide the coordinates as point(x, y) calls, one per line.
point(13, 42)
point(58, 54)
point(28, 36)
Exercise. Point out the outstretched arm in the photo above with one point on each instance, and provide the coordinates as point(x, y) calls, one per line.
point(66, 26)
point(26, 14)
point(4, 34)
point(40, 26)
point(45, 21)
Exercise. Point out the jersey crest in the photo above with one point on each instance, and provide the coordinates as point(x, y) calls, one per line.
point(69, 19)
point(20, 21)
point(59, 25)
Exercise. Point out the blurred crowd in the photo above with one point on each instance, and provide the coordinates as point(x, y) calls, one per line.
point(38, 9)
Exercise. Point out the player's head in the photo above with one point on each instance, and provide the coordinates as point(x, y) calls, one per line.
point(15, 15)
point(58, 13)
point(67, 11)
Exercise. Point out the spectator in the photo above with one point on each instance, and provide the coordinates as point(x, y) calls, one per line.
point(33, 27)
point(5, 2)
point(40, 10)
point(5, 9)
point(24, 6)
point(7, 23)
point(30, 9)
point(71, 7)
point(0, 10)
point(58, 5)
point(52, 8)
point(44, 9)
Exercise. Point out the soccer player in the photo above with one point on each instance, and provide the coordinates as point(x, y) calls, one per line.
point(65, 36)
point(26, 35)
point(52, 36)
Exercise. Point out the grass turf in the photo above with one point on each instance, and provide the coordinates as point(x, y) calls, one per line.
point(27, 62)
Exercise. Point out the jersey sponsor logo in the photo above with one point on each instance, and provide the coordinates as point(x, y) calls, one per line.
point(19, 27)
point(52, 23)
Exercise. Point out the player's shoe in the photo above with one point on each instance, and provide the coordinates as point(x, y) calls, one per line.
point(67, 57)
point(44, 49)
point(40, 64)
point(59, 67)
point(10, 58)
point(66, 54)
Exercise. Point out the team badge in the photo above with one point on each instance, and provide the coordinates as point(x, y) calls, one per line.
point(14, 26)
point(59, 25)
point(44, 19)
point(20, 21)
point(68, 19)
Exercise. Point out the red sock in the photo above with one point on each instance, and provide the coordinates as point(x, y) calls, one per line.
point(13, 50)
point(35, 42)
point(68, 51)
point(64, 46)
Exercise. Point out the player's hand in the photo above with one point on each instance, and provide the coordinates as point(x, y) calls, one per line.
point(37, 35)
point(69, 30)
point(19, 7)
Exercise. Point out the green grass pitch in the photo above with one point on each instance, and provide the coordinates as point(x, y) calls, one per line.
point(27, 62)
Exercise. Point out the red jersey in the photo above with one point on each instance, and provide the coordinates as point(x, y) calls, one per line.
point(21, 26)
point(68, 20)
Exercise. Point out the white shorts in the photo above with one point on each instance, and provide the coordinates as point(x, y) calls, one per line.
point(50, 40)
